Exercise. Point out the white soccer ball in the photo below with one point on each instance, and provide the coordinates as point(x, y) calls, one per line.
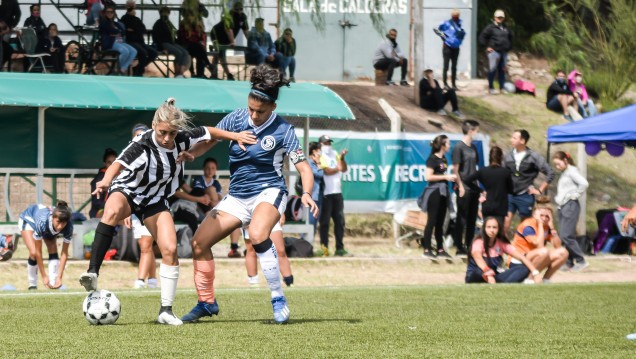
point(101, 307)
point(510, 87)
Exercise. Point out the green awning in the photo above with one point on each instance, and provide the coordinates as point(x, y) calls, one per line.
point(134, 93)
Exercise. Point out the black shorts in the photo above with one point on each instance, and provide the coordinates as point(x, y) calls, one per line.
point(143, 212)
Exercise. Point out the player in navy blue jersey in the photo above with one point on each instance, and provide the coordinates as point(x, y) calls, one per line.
point(257, 195)
point(147, 173)
point(40, 223)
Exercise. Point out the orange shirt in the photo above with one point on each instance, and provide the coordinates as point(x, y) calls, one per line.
point(526, 231)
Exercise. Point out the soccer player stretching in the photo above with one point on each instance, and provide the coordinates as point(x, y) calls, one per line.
point(257, 196)
point(151, 171)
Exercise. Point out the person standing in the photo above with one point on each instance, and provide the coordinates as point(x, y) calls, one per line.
point(570, 188)
point(260, 47)
point(497, 182)
point(497, 38)
point(388, 55)
point(525, 165)
point(452, 33)
point(333, 165)
point(317, 194)
point(465, 160)
point(436, 196)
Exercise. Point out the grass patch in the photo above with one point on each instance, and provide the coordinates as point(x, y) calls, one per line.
point(384, 322)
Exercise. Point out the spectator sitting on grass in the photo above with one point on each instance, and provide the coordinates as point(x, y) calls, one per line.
point(486, 258)
point(433, 98)
point(559, 96)
point(585, 104)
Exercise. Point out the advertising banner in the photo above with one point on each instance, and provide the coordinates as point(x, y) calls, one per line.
point(386, 170)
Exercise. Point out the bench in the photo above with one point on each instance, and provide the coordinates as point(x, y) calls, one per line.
point(380, 77)
point(413, 223)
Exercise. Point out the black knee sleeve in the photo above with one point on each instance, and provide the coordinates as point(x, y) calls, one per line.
point(263, 246)
point(32, 262)
point(53, 256)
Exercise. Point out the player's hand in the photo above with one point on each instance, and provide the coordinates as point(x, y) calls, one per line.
point(462, 191)
point(309, 202)
point(491, 280)
point(537, 279)
point(482, 197)
point(101, 187)
point(533, 191)
point(489, 50)
point(204, 200)
point(45, 280)
point(344, 152)
point(451, 178)
point(282, 220)
point(185, 156)
point(245, 138)
point(488, 275)
point(58, 284)
point(128, 222)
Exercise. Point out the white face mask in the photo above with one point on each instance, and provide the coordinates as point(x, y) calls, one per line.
point(325, 148)
point(578, 79)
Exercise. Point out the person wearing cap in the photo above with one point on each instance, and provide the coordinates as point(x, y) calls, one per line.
point(452, 33)
point(261, 48)
point(286, 46)
point(497, 38)
point(388, 55)
point(585, 104)
point(334, 165)
point(434, 98)
point(239, 20)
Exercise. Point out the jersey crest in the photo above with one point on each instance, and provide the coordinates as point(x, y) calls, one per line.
point(268, 143)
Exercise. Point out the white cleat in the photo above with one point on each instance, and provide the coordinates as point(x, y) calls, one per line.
point(88, 281)
point(167, 317)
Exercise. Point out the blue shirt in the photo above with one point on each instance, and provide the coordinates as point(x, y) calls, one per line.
point(319, 173)
point(199, 182)
point(261, 165)
point(454, 33)
point(40, 218)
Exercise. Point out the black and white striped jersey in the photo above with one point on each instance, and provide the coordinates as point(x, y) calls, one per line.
point(151, 172)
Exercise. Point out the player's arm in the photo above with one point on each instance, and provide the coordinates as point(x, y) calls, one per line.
point(242, 138)
point(307, 179)
point(343, 163)
point(103, 185)
point(57, 282)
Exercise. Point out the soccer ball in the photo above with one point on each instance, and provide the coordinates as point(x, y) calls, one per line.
point(101, 307)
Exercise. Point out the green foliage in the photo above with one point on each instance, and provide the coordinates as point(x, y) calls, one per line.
point(464, 321)
point(595, 37)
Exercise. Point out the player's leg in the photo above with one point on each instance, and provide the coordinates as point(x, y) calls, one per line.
point(250, 261)
point(285, 266)
point(54, 261)
point(32, 261)
point(269, 206)
point(116, 209)
point(216, 226)
point(234, 244)
point(161, 226)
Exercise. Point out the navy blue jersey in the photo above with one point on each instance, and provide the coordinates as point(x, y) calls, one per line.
point(151, 173)
point(261, 166)
point(200, 183)
point(40, 218)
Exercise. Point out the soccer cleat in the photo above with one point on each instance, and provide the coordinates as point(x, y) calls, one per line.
point(88, 281)
point(281, 311)
point(33, 287)
point(167, 317)
point(234, 253)
point(202, 309)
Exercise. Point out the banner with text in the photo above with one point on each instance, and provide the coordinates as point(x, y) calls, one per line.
point(386, 170)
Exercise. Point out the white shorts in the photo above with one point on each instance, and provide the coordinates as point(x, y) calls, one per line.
point(243, 208)
point(277, 228)
point(139, 230)
point(25, 226)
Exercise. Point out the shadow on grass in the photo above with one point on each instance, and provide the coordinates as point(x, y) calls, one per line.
point(261, 321)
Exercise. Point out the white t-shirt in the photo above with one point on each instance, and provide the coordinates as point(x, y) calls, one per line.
point(330, 158)
point(518, 157)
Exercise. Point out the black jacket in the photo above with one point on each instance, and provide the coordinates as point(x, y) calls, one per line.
point(499, 37)
point(136, 36)
point(38, 25)
point(10, 12)
point(529, 168)
point(161, 34)
point(558, 88)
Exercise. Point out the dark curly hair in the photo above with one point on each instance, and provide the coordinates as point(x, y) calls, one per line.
point(266, 82)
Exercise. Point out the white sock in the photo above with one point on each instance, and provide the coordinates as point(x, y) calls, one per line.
point(253, 279)
point(54, 266)
point(271, 272)
point(169, 277)
point(32, 273)
point(152, 282)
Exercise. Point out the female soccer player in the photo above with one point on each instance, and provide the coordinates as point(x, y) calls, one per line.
point(151, 171)
point(39, 223)
point(250, 255)
point(257, 195)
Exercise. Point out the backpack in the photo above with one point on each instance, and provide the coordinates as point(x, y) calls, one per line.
point(295, 210)
point(523, 86)
point(184, 242)
point(298, 248)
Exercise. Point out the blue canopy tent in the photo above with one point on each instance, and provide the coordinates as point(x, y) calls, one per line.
point(612, 131)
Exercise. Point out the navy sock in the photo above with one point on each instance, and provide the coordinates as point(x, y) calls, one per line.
point(53, 256)
point(32, 262)
point(234, 246)
point(103, 239)
point(289, 280)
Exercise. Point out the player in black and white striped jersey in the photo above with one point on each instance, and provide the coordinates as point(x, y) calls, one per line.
point(151, 170)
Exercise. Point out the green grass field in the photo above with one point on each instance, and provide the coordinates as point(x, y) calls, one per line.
point(476, 321)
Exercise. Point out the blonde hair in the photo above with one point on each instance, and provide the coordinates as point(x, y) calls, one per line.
point(543, 202)
point(170, 114)
point(454, 12)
